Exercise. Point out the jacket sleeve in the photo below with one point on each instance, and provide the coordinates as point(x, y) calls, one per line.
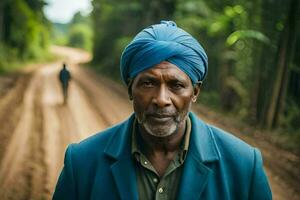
point(65, 187)
point(260, 188)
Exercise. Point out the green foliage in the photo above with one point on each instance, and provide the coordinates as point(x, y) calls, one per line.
point(210, 98)
point(27, 34)
point(115, 21)
point(78, 33)
point(292, 120)
point(6, 56)
point(59, 33)
point(236, 96)
point(24, 31)
point(247, 34)
point(232, 17)
point(80, 36)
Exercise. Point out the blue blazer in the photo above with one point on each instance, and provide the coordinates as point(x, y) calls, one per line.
point(218, 166)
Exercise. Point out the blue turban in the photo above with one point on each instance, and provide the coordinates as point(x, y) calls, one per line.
point(164, 42)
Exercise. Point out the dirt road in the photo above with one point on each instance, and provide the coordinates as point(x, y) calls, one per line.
point(36, 127)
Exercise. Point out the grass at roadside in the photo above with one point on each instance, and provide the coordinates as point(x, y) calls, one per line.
point(11, 65)
point(279, 137)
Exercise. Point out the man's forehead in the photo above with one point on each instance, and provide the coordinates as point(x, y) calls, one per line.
point(164, 70)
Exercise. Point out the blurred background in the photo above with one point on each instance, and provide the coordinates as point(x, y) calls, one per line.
point(252, 88)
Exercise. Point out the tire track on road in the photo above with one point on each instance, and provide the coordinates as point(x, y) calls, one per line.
point(11, 107)
point(12, 176)
point(111, 106)
point(38, 167)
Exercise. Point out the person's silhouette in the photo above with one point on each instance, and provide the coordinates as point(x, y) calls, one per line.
point(64, 77)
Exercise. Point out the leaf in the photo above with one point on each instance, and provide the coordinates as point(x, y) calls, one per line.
point(247, 34)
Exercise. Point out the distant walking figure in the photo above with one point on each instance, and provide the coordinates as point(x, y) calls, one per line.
point(64, 77)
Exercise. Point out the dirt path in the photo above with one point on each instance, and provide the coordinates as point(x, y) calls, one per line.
point(36, 127)
point(32, 147)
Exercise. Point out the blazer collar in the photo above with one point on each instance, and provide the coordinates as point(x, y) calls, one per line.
point(203, 144)
point(123, 169)
point(119, 145)
point(202, 149)
point(202, 141)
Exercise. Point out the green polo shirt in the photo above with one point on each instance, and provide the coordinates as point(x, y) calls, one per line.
point(150, 185)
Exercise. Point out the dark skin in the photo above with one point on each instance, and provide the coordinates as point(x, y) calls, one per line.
point(165, 89)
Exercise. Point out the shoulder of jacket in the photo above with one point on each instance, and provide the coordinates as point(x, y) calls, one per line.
point(230, 145)
point(94, 144)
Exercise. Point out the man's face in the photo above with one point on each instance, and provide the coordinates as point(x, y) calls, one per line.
point(162, 97)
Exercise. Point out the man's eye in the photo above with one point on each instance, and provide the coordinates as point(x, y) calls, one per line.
point(147, 84)
point(177, 86)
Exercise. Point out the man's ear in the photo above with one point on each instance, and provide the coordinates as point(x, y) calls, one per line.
point(129, 93)
point(196, 92)
point(129, 90)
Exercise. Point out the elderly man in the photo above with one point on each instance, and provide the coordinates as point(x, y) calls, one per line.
point(163, 151)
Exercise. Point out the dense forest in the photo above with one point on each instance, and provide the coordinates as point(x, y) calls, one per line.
point(77, 33)
point(253, 49)
point(24, 31)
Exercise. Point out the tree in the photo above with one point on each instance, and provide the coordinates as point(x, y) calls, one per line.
point(116, 21)
point(285, 57)
point(80, 37)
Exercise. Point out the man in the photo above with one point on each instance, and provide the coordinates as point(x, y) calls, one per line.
point(64, 77)
point(163, 151)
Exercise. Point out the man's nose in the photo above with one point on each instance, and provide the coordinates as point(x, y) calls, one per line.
point(162, 97)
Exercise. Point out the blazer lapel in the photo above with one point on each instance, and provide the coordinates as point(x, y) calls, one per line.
point(202, 149)
point(125, 178)
point(122, 168)
point(194, 178)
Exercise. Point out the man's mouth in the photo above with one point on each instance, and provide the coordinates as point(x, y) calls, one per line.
point(160, 118)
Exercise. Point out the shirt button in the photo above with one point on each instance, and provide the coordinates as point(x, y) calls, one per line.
point(160, 190)
point(155, 180)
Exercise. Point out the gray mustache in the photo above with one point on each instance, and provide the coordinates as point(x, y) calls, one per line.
point(163, 112)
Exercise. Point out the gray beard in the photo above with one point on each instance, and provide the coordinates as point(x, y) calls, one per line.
point(160, 130)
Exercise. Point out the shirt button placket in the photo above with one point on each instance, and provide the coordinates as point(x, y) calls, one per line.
point(160, 190)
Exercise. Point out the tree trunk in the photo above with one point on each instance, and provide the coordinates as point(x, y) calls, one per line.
point(264, 73)
point(1, 20)
point(286, 52)
point(158, 10)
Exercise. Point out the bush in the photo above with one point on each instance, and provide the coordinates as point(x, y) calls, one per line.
point(80, 36)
